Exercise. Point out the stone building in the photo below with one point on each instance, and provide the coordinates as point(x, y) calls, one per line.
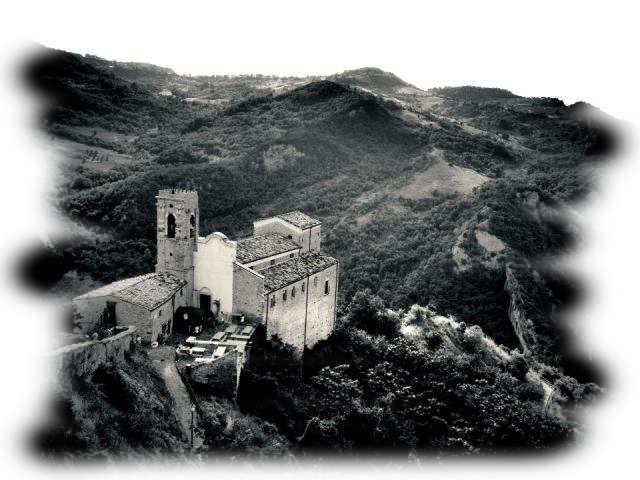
point(276, 277)
point(148, 302)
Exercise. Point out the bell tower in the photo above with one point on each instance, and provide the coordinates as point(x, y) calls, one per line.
point(177, 234)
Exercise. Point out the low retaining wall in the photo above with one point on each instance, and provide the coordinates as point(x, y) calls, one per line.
point(21, 374)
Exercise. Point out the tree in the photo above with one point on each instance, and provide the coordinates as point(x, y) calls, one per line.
point(367, 311)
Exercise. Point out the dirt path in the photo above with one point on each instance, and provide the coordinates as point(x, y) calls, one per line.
point(163, 362)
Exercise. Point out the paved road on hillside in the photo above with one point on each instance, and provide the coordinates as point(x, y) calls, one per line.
point(164, 364)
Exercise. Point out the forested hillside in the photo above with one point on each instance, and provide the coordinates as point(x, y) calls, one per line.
point(111, 414)
point(411, 383)
point(455, 197)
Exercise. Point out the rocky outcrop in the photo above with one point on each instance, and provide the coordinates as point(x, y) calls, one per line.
point(221, 374)
point(22, 374)
point(522, 326)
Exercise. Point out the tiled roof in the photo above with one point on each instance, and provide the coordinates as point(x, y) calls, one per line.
point(263, 246)
point(112, 288)
point(148, 291)
point(299, 219)
point(295, 269)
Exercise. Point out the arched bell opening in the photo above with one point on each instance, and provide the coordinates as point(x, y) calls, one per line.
point(171, 226)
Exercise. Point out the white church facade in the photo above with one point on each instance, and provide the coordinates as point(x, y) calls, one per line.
point(277, 277)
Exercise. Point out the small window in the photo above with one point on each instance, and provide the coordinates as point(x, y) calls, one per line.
point(284, 296)
point(293, 292)
point(273, 301)
point(291, 255)
point(170, 254)
point(290, 237)
point(251, 268)
point(171, 205)
point(315, 281)
point(181, 292)
point(159, 313)
point(272, 262)
point(302, 287)
point(326, 287)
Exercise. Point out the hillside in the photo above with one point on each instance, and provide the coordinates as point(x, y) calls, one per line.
point(457, 197)
point(110, 415)
point(411, 383)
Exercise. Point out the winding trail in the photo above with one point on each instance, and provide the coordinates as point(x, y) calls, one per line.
point(163, 361)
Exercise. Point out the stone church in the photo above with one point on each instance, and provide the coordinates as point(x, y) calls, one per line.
point(277, 277)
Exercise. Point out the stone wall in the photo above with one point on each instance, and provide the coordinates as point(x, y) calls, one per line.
point(248, 296)
point(315, 234)
point(149, 324)
point(89, 310)
point(287, 317)
point(21, 374)
point(321, 313)
point(309, 316)
point(161, 316)
point(175, 255)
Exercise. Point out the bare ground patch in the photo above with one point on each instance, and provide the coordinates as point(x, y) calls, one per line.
point(103, 134)
point(489, 242)
point(441, 178)
point(97, 158)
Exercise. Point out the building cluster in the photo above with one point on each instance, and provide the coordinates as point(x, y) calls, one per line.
point(277, 277)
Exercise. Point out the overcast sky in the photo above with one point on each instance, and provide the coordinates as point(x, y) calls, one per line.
point(570, 50)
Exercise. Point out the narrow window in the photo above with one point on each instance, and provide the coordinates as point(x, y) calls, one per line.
point(284, 296)
point(291, 255)
point(171, 226)
point(181, 292)
point(326, 287)
point(273, 301)
point(302, 287)
point(315, 281)
point(272, 262)
point(192, 222)
point(293, 292)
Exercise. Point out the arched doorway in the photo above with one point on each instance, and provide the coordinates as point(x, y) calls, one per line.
point(205, 299)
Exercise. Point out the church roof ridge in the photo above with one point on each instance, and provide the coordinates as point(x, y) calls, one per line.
point(148, 291)
point(299, 219)
point(295, 269)
point(258, 247)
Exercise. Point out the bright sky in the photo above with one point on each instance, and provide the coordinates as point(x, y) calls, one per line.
point(570, 50)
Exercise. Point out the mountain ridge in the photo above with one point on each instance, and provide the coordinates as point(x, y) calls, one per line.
point(282, 144)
